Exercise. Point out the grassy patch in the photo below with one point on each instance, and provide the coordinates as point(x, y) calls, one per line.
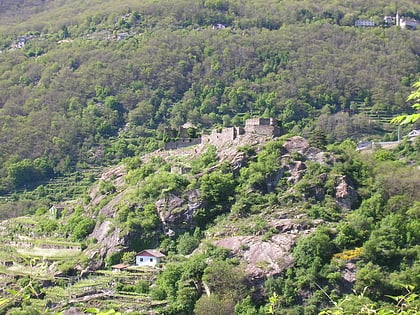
point(56, 253)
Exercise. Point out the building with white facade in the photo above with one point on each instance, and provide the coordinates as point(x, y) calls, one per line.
point(149, 257)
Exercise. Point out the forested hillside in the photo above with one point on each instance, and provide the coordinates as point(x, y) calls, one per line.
point(90, 88)
point(293, 221)
point(253, 226)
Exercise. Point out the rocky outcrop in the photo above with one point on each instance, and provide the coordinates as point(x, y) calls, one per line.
point(176, 213)
point(295, 169)
point(297, 145)
point(238, 162)
point(268, 256)
point(109, 240)
point(273, 179)
point(345, 194)
point(107, 237)
point(262, 257)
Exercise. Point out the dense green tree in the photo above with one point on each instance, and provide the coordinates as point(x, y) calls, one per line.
point(213, 305)
point(245, 307)
point(83, 228)
point(129, 258)
point(225, 280)
point(313, 251)
point(187, 242)
point(385, 243)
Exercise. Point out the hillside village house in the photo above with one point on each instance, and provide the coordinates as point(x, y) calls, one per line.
point(119, 267)
point(364, 23)
point(149, 257)
point(57, 210)
point(413, 134)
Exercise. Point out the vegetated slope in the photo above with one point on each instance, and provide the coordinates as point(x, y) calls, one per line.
point(269, 14)
point(95, 88)
point(292, 222)
point(280, 219)
point(105, 87)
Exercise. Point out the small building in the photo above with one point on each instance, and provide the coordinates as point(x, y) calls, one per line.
point(413, 134)
point(364, 23)
point(57, 210)
point(389, 20)
point(219, 137)
point(121, 36)
point(149, 257)
point(119, 267)
point(363, 145)
point(262, 126)
point(408, 23)
point(218, 26)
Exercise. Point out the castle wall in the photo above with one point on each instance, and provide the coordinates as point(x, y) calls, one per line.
point(260, 126)
point(259, 122)
point(222, 136)
point(263, 130)
point(182, 143)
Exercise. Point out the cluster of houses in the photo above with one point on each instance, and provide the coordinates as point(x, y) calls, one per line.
point(22, 40)
point(145, 258)
point(397, 20)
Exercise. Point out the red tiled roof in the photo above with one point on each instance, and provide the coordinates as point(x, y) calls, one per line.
point(119, 266)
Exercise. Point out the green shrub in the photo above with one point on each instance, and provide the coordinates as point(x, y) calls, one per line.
point(158, 293)
point(83, 228)
point(187, 243)
point(142, 286)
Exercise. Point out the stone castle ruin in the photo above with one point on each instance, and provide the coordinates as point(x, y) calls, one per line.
point(187, 135)
point(262, 126)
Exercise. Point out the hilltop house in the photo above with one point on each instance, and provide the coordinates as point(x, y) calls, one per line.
point(218, 26)
point(149, 257)
point(401, 21)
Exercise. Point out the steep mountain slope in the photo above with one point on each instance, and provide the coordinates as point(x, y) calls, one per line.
point(80, 87)
point(250, 225)
point(280, 212)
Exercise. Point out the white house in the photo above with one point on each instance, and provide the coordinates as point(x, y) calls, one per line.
point(413, 134)
point(218, 26)
point(149, 257)
point(408, 23)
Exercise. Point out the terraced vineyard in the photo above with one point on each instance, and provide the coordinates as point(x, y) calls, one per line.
point(44, 194)
point(32, 265)
point(382, 117)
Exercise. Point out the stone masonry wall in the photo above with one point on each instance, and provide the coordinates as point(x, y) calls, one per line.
point(261, 126)
point(220, 137)
point(182, 143)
